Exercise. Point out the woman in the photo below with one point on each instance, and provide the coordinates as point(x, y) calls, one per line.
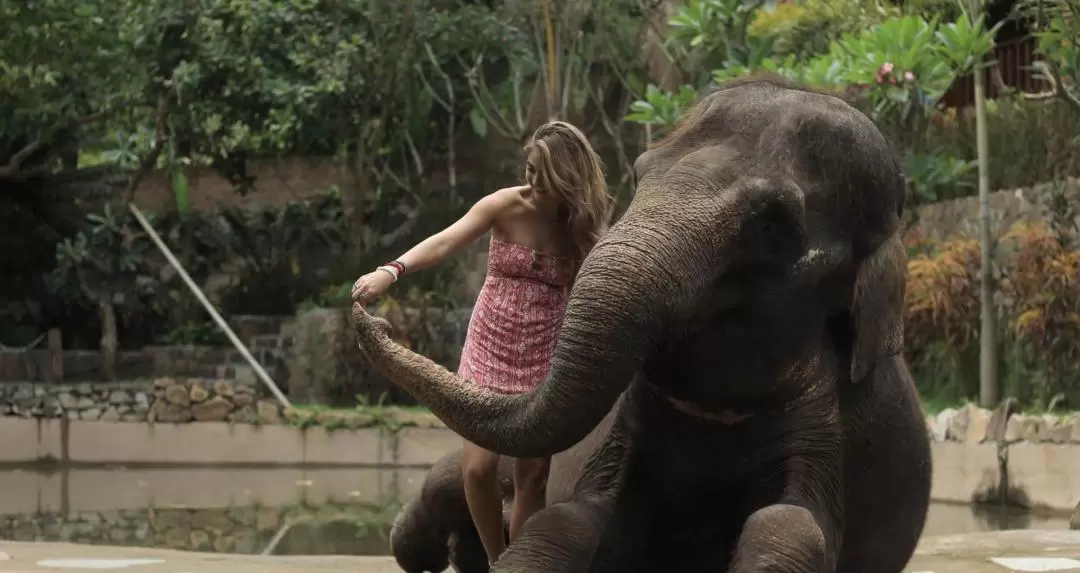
point(540, 233)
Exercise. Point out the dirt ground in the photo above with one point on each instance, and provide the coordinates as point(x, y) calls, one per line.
point(998, 552)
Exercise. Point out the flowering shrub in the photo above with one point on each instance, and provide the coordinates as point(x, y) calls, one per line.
point(1038, 310)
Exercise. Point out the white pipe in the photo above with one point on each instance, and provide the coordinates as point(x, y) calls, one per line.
point(209, 307)
point(270, 547)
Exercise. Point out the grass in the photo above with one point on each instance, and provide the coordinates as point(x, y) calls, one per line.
point(364, 415)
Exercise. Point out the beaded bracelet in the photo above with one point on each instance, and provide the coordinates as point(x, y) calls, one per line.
point(392, 271)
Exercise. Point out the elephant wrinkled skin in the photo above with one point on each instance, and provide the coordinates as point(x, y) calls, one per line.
point(738, 331)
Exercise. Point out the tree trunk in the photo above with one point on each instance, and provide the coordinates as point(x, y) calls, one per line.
point(109, 341)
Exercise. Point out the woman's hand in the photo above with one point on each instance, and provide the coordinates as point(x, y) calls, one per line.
point(370, 286)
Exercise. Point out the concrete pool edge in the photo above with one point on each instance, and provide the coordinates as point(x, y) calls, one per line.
point(967, 553)
point(1037, 475)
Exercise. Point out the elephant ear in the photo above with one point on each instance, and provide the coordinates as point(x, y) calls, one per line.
point(877, 308)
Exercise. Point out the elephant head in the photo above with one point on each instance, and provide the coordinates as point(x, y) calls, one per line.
point(767, 221)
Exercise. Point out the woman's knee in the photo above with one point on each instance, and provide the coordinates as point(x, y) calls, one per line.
point(531, 474)
point(479, 465)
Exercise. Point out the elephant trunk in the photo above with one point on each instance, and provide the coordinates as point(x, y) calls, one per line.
point(650, 268)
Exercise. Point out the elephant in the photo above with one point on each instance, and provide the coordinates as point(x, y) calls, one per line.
point(728, 391)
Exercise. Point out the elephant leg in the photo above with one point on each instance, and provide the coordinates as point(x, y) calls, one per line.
point(435, 529)
point(467, 553)
point(782, 538)
point(417, 540)
point(574, 537)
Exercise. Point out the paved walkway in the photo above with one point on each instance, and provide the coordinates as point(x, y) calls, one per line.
point(999, 552)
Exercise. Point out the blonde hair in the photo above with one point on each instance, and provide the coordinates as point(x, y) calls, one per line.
point(570, 171)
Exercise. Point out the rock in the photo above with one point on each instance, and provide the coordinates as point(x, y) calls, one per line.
point(22, 393)
point(171, 518)
point(1000, 420)
point(66, 532)
point(110, 415)
point(214, 410)
point(242, 399)
point(119, 397)
point(71, 415)
point(246, 415)
point(978, 424)
point(1074, 434)
point(223, 543)
point(267, 519)
point(173, 414)
point(51, 408)
point(956, 430)
point(67, 400)
point(84, 389)
point(198, 394)
point(1074, 521)
point(133, 417)
point(1060, 431)
point(1014, 429)
point(268, 412)
point(177, 395)
point(212, 520)
point(90, 414)
point(246, 541)
point(163, 383)
point(199, 540)
point(1032, 429)
point(141, 403)
point(176, 538)
point(941, 424)
point(83, 403)
point(223, 388)
point(118, 535)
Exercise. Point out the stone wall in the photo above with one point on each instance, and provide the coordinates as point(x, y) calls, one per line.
point(312, 357)
point(1004, 456)
point(165, 400)
point(974, 425)
point(961, 216)
point(243, 530)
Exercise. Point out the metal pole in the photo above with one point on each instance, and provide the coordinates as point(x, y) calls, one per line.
point(209, 307)
point(270, 547)
point(989, 390)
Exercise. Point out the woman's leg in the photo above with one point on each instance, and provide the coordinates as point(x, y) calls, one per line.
point(480, 470)
point(530, 486)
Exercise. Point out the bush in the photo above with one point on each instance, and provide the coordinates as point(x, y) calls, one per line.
point(1038, 310)
point(1035, 136)
point(247, 262)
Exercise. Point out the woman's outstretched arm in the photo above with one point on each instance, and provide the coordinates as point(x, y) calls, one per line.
point(477, 221)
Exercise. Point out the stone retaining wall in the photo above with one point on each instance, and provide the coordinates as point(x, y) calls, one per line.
point(165, 400)
point(243, 530)
point(978, 455)
point(974, 425)
point(961, 216)
point(1006, 456)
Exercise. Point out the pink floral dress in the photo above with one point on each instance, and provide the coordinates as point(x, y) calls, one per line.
point(516, 320)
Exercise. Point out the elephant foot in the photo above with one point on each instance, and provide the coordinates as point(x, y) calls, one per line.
point(417, 544)
point(781, 538)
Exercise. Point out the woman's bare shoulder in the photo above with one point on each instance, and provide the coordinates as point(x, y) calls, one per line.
point(509, 200)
